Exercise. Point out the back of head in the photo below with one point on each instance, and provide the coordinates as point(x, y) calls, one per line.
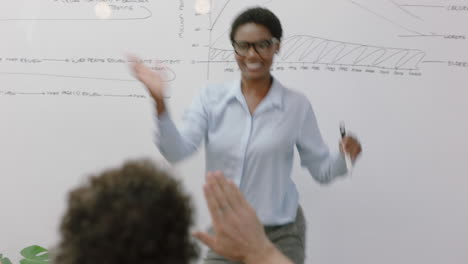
point(259, 16)
point(134, 214)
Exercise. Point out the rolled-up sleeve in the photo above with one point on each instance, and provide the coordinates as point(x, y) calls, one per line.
point(315, 154)
point(177, 144)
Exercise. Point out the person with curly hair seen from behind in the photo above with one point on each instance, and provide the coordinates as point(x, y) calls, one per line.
point(134, 214)
point(139, 214)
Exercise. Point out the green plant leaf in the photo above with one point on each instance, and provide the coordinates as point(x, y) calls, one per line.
point(34, 255)
point(4, 260)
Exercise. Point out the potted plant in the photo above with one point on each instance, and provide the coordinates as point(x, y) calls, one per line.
point(31, 255)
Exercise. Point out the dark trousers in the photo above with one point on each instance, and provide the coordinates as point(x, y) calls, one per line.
point(288, 238)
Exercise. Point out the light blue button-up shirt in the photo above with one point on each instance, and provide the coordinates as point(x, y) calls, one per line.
point(255, 151)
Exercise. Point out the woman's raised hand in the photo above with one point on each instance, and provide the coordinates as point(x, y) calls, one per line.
point(153, 81)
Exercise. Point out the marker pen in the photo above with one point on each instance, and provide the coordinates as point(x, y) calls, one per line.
point(349, 164)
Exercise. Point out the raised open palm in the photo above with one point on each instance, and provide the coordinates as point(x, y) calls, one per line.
point(154, 81)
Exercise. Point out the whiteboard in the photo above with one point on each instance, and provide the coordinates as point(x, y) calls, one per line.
point(394, 71)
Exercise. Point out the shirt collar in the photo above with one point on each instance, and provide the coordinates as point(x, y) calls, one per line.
point(274, 97)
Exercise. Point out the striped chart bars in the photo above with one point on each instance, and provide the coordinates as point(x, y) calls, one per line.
point(315, 50)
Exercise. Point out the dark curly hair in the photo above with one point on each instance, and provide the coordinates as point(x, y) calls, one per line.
point(134, 214)
point(260, 16)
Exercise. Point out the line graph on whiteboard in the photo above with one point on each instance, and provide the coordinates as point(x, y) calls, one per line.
point(309, 51)
point(198, 41)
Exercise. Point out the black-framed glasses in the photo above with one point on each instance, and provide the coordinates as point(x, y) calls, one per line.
point(262, 47)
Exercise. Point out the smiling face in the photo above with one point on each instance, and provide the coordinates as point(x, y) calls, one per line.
point(256, 63)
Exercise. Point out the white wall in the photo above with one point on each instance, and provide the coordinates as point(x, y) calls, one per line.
point(65, 115)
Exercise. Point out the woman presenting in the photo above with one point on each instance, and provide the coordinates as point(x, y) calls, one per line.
point(250, 128)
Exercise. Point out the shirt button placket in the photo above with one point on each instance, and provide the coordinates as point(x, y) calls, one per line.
point(244, 145)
